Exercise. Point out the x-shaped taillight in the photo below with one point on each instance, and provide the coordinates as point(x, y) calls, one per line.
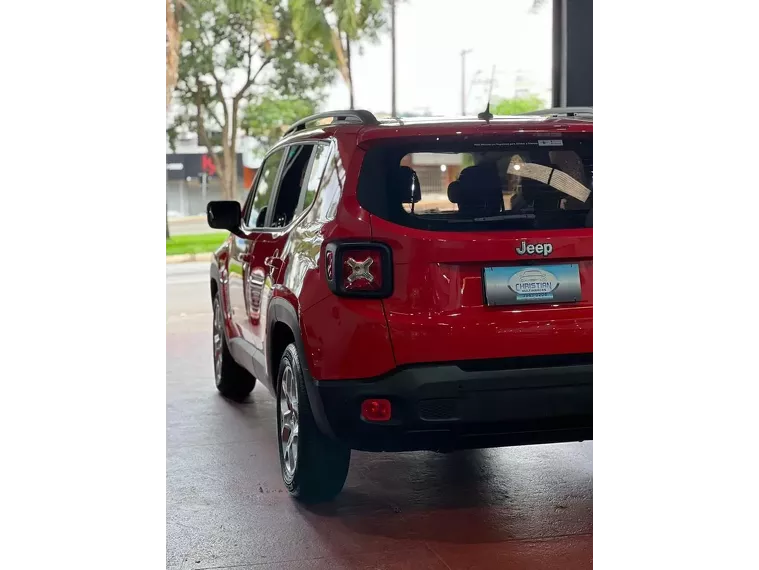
point(360, 269)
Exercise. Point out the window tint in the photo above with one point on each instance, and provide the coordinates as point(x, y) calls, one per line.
point(318, 164)
point(292, 182)
point(331, 188)
point(262, 191)
point(469, 186)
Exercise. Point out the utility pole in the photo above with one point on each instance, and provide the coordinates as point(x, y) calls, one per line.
point(464, 52)
point(392, 40)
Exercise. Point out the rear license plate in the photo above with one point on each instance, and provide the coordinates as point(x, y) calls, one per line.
point(531, 284)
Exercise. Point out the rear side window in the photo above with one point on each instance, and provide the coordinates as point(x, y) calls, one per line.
point(487, 185)
point(263, 190)
point(315, 173)
point(291, 184)
point(300, 178)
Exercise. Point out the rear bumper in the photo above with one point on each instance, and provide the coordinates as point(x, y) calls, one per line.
point(472, 404)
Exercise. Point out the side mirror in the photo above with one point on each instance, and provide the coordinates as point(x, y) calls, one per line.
point(224, 215)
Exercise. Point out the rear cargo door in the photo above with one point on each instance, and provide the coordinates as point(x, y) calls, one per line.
point(477, 280)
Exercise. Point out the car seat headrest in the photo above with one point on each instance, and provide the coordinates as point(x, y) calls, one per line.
point(478, 191)
point(406, 185)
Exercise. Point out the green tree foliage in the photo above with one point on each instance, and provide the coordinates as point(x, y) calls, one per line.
point(517, 106)
point(341, 25)
point(267, 117)
point(233, 51)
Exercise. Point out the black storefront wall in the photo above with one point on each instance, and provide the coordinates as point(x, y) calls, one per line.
point(194, 165)
point(572, 53)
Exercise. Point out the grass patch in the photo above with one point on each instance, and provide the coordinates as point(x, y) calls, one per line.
point(196, 243)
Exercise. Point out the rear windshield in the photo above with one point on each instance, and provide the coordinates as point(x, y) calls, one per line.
point(506, 184)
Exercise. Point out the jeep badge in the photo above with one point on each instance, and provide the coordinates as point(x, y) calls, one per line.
point(544, 249)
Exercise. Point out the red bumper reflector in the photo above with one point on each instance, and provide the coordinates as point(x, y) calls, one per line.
point(376, 410)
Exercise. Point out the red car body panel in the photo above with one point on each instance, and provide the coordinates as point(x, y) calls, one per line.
point(436, 312)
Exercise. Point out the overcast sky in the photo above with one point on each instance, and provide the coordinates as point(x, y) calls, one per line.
point(430, 36)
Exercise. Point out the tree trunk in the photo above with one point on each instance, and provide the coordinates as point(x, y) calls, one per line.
point(350, 70)
point(228, 174)
point(229, 189)
point(226, 169)
point(342, 60)
point(223, 174)
point(233, 175)
point(172, 51)
point(226, 187)
point(219, 162)
point(231, 166)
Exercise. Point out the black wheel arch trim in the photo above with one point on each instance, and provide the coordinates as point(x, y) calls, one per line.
point(216, 274)
point(280, 310)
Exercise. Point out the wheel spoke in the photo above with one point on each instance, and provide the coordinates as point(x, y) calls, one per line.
point(294, 447)
point(288, 388)
point(287, 427)
point(294, 398)
point(288, 411)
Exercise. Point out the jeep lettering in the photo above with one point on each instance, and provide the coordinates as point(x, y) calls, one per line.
point(544, 249)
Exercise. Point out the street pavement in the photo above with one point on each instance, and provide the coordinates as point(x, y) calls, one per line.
point(226, 507)
point(189, 225)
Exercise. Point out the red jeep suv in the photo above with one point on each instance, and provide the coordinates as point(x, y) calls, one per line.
point(420, 284)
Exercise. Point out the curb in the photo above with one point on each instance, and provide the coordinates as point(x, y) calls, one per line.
point(189, 257)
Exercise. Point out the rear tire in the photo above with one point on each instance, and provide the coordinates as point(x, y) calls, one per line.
point(314, 466)
point(232, 380)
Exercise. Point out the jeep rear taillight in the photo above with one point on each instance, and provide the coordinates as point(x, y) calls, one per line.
point(359, 269)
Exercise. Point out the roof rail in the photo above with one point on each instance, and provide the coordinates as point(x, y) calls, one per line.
point(358, 116)
point(569, 111)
